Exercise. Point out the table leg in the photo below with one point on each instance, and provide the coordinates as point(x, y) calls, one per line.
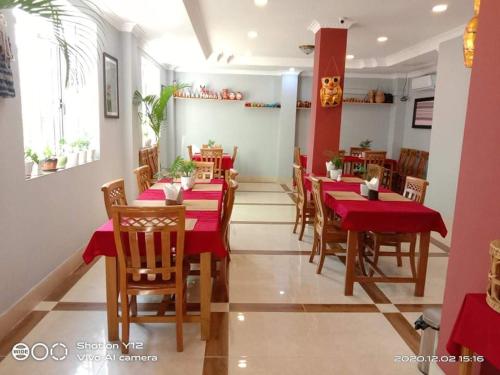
point(425, 238)
point(465, 368)
point(350, 264)
point(112, 298)
point(206, 293)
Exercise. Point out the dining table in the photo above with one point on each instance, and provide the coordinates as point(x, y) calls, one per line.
point(203, 237)
point(226, 164)
point(390, 213)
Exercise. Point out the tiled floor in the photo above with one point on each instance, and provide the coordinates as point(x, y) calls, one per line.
point(281, 317)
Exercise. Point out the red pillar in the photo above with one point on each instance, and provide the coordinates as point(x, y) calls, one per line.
point(324, 133)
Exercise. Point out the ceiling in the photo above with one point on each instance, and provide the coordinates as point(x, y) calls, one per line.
point(192, 33)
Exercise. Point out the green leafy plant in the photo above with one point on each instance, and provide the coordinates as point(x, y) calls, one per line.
point(48, 153)
point(366, 143)
point(155, 108)
point(29, 155)
point(181, 168)
point(337, 162)
point(211, 143)
point(60, 15)
point(81, 144)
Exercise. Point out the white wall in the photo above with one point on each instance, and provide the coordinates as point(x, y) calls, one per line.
point(416, 138)
point(254, 131)
point(452, 89)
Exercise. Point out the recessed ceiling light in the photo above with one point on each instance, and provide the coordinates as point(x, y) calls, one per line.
point(439, 8)
point(382, 39)
point(260, 3)
point(349, 57)
point(252, 34)
point(291, 69)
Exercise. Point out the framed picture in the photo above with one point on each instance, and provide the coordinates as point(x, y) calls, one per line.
point(422, 113)
point(111, 95)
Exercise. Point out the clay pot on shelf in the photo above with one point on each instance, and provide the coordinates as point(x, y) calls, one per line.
point(232, 96)
point(49, 165)
point(379, 97)
point(239, 96)
point(371, 96)
point(225, 94)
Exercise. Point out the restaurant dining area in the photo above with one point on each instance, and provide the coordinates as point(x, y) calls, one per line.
point(216, 187)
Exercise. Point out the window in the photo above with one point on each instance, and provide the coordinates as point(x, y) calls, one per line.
point(150, 78)
point(56, 119)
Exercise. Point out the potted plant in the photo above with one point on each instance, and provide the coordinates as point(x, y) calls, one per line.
point(72, 155)
point(81, 145)
point(49, 164)
point(62, 159)
point(366, 143)
point(185, 170)
point(155, 108)
point(30, 158)
point(211, 143)
point(336, 172)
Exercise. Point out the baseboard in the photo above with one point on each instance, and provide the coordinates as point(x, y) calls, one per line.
point(28, 302)
point(440, 244)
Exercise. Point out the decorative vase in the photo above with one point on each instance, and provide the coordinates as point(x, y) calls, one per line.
point(493, 293)
point(49, 165)
point(379, 97)
point(72, 160)
point(82, 157)
point(28, 168)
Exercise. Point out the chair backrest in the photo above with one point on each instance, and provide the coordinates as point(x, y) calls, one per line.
point(415, 189)
point(375, 157)
point(357, 151)
point(213, 155)
point(142, 235)
point(230, 174)
point(409, 165)
point(332, 154)
point(235, 152)
point(296, 155)
point(375, 170)
point(143, 181)
point(149, 156)
point(298, 174)
point(319, 205)
point(423, 158)
point(228, 205)
point(204, 170)
point(114, 195)
point(190, 152)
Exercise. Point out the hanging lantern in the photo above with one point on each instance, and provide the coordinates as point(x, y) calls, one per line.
point(330, 92)
point(470, 36)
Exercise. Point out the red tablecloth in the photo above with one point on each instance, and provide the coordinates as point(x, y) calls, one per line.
point(380, 216)
point(478, 328)
point(206, 235)
point(227, 162)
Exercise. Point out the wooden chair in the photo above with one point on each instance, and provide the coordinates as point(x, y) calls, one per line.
point(204, 170)
point(326, 231)
point(235, 152)
point(228, 210)
point(415, 189)
point(143, 181)
point(422, 159)
point(409, 168)
point(230, 174)
point(148, 272)
point(190, 152)
point(357, 151)
point(296, 155)
point(149, 156)
point(375, 170)
point(373, 157)
point(399, 175)
point(304, 208)
point(213, 155)
point(114, 195)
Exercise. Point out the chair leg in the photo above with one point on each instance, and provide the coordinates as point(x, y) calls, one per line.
point(314, 249)
point(133, 305)
point(223, 275)
point(296, 219)
point(302, 225)
point(321, 256)
point(413, 245)
point(179, 316)
point(125, 322)
point(376, 251)
point(399, 258)
point(361, 253)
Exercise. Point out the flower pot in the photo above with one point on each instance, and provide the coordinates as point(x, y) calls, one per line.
point(82, 157)
point(49, 165)
point(90, 155)
point(62, 161)
point(72, 160)
point(379, 97)
point(329, 167)
point(187, 182)
point(28, 168)
point(335, 174)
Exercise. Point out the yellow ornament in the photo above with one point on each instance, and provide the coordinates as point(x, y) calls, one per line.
point(330, 92)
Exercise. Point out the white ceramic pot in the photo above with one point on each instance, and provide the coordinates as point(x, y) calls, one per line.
point(335, 174)
point(187, 182)
point(72, 160)
point(90, 156)
point(82, 157)
point(28, 168)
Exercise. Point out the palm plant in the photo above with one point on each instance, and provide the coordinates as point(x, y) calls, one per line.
point(77, 57)
point(155, 108)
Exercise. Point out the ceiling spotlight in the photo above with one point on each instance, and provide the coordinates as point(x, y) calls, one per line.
point(307, 48)
point(382, 39)
point(291, 69)
point(260, 3)
point(252, 34)
point(439, 8)
point(349, 57)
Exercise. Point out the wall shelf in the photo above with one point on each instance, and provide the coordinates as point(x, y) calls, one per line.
point(356, 103)
point(209, 100)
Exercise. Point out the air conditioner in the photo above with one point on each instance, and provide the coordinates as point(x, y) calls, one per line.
point(423, 83)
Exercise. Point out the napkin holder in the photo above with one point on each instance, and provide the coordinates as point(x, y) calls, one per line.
point(372, 195)
point(173, 195)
